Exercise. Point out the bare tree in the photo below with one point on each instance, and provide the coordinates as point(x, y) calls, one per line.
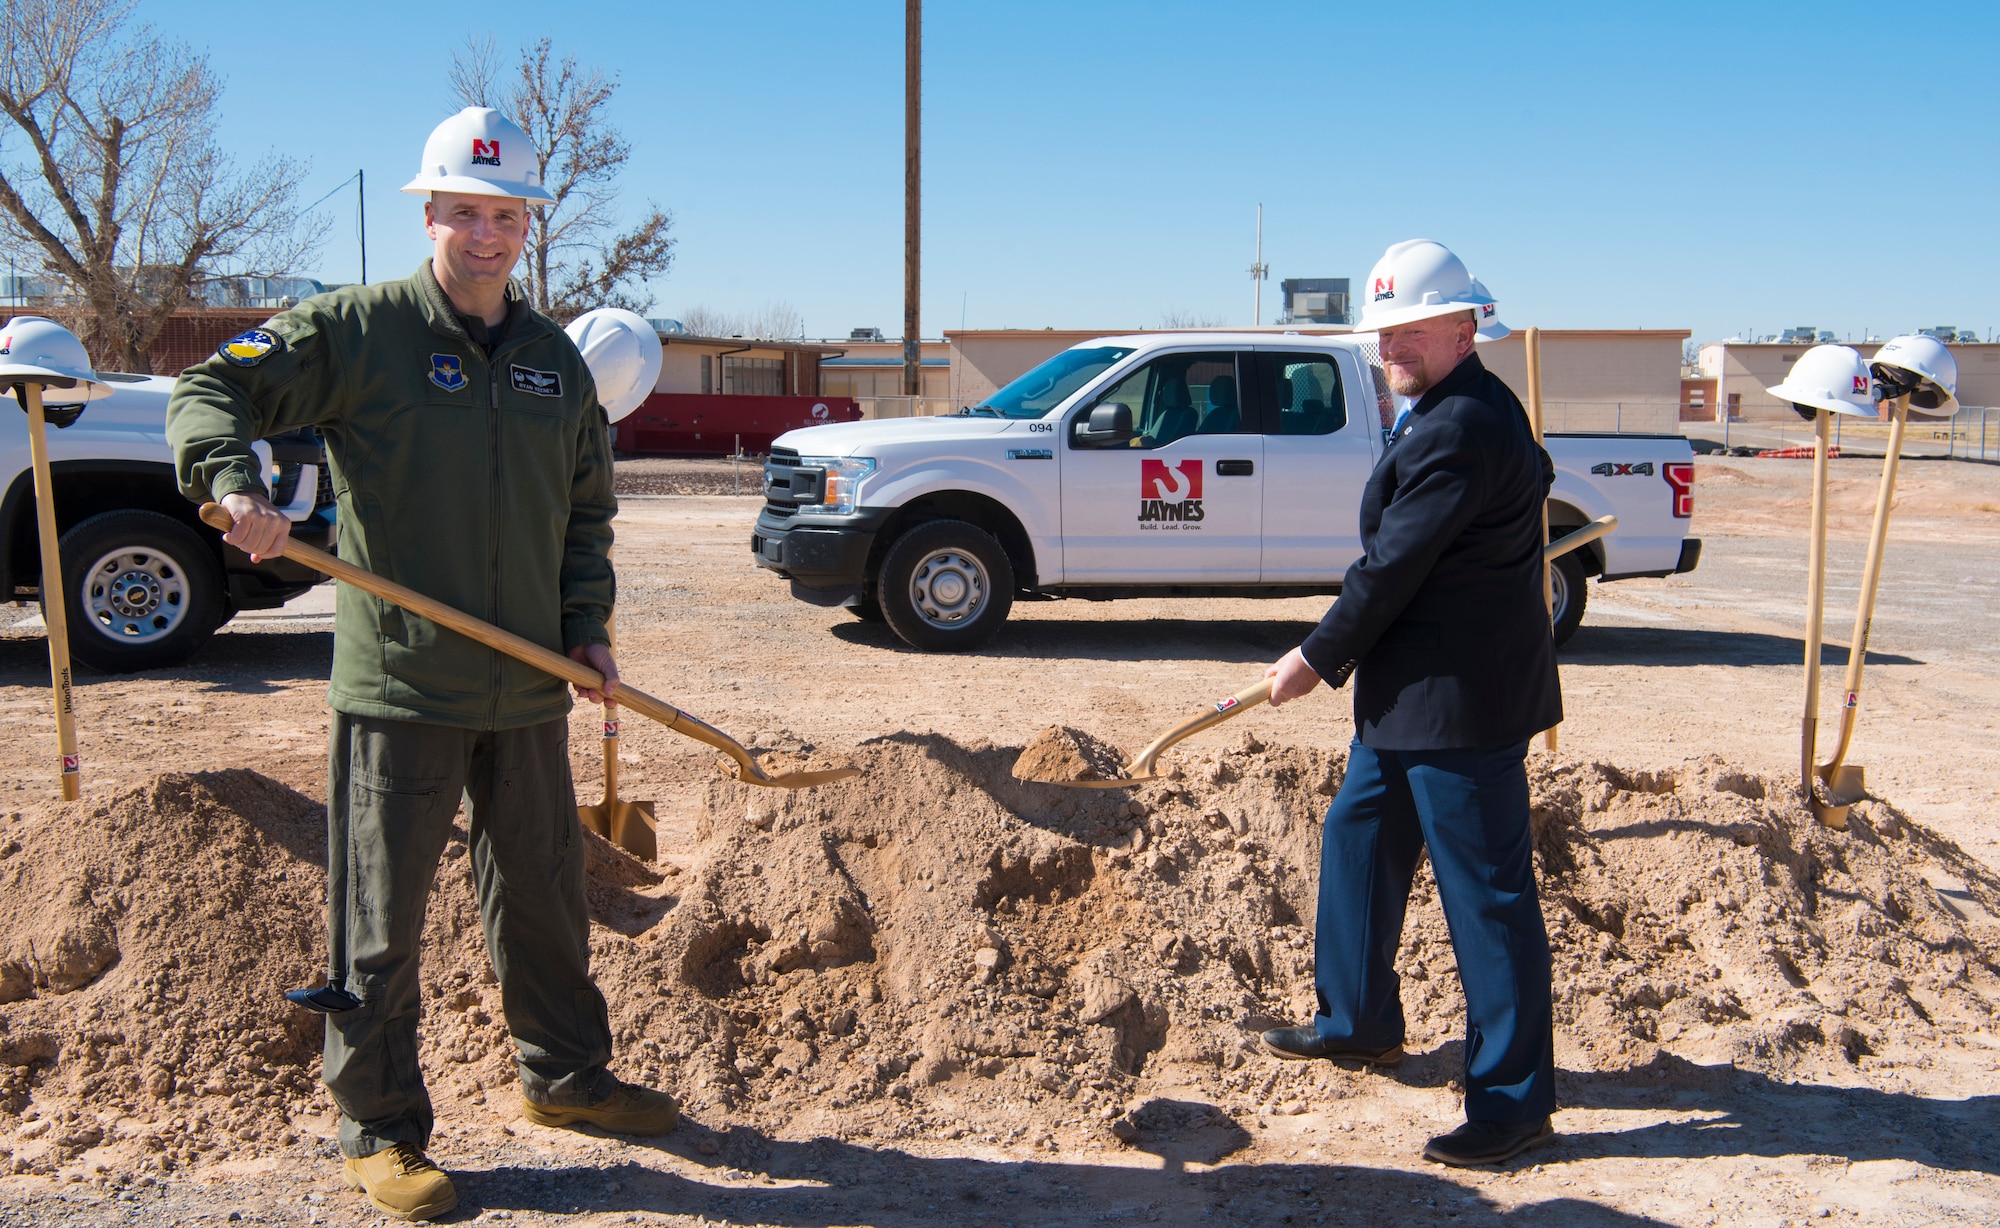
point(772, 321)
point(111, 184)
point(576, 257)
point(1177, 319)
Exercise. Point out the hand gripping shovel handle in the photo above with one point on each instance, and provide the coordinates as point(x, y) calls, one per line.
point(546, 660)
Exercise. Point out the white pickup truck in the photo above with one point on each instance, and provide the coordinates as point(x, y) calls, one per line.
point(147, 582)
point(1165, 464)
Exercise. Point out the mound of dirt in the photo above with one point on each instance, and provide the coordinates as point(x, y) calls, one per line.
point(1061, 753)
point(939, 949)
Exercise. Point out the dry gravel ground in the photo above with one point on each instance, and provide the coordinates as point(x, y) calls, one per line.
point(1663, 674)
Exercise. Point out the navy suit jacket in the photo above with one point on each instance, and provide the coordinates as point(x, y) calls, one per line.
point(1444, 615)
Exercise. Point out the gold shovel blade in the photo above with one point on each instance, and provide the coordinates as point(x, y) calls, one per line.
point(1845, 785)
point(631, 826)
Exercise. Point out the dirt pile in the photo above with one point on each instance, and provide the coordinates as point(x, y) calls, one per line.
point(1061, 753)
point(939, 949)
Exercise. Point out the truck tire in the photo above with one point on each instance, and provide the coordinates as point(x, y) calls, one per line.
point(143, 591)
point(945, 586)
point(1567, 576)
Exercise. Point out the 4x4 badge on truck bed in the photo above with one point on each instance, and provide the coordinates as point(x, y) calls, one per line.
point(1606, 469)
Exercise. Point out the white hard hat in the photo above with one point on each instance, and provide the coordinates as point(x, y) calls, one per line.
point(1831, 377)
point(1419, 279)
point(40, 351)
point(1927, 359)
point(482, 152)
point(623, 353)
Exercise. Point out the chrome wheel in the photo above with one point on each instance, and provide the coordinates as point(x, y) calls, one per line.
point(135, 594)
point(948, 587)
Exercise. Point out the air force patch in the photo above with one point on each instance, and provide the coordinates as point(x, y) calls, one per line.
point(448, 372)
point(535, 383)
point(250, 347)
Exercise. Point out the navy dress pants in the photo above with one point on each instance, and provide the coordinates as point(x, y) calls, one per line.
point(1470, 809)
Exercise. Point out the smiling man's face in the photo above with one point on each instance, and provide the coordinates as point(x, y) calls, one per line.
point(477, 241)
point(1416, 356)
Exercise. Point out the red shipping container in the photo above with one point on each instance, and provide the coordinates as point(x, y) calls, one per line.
point(709, 424)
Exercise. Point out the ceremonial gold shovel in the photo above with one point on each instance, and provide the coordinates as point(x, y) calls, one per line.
point(632, 826)
point(544, 659)
point(1144, 766)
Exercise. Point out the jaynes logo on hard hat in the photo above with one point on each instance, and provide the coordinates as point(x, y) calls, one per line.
point(250, 347)
point(485, 153)
point(1169, 493)
point(448, 372)
point(1385, 288)
point(1860, 385)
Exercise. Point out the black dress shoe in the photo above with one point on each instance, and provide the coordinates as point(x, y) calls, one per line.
point(1304, 1042)
point(1487, 1142)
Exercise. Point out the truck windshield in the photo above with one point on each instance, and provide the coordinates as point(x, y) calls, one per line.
point(1046, 386)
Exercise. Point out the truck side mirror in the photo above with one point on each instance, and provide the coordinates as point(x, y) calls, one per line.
point(1108, 424)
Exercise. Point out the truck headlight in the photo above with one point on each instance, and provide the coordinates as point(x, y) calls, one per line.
point(841, 486)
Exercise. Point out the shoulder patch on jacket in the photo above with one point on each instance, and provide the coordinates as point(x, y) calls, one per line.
point(448, 372)
point(535, 383)
point(251, 346)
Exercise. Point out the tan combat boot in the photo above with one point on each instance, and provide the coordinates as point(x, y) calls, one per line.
point(401, 1181)
point(625, 1110)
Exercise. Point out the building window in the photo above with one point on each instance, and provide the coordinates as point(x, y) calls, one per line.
point(1736, 405)
point(707, 375)
point(756, 377)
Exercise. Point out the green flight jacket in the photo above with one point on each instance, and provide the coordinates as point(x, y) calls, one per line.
point(485, 483)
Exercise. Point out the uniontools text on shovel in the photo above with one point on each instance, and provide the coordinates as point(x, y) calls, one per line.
point(541, 658)
point(1144, 766)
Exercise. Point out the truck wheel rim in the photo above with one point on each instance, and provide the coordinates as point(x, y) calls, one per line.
point(135, 595)
point(948, 588)
point(1559, 588)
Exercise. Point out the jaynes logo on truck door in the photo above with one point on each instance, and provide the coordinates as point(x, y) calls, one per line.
point(1170, 492)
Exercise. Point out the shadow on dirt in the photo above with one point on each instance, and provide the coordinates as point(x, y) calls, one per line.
point(1116, 639)
point(826, 1182)
point(236, 662)
point(1743, 1113)
point(1673, 646)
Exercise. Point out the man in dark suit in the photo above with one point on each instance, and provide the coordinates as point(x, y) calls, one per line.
point(1444, 624)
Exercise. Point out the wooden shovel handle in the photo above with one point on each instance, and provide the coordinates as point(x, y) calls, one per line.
point(548, 661)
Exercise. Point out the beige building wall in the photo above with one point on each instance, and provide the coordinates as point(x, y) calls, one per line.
point(1747, 369)
point(1598, 379)
point(863, 383)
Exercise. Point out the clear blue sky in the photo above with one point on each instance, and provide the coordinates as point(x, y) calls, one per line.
point(1095, 164)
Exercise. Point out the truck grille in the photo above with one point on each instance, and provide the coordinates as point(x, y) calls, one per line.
point(778, 470)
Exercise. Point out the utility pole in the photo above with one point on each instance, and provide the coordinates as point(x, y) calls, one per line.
point(1258, 272)
point(913, 44)
point(361, 205)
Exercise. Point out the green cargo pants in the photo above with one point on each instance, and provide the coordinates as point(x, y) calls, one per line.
point(393, 789)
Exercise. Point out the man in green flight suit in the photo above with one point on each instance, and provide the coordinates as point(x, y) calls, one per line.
point(472, 462)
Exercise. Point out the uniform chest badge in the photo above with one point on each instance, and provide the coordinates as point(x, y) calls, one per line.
point(535, 383)
point(250, 347)
point(448, 372)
